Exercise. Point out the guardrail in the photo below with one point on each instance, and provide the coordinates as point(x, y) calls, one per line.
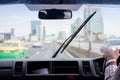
point(81, 53)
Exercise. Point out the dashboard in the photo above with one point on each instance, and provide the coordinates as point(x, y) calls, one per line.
point(52, 69)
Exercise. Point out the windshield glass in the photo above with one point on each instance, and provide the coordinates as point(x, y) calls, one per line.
point(17, 22)
point(115, 42)
point(9, 45)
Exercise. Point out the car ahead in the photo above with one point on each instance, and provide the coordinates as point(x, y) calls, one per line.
point(13, 49)
point(37, 44)
point(110, 43)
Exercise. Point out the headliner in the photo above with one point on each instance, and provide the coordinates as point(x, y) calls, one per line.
point(60, 2)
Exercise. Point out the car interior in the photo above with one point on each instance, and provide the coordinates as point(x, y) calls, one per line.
point(55, 68)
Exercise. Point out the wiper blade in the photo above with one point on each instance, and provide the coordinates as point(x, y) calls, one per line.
point(61, 47)
point(78, 30)
point(70, 38)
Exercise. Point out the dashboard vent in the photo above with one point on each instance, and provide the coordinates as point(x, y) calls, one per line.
point(18, 68)
point(86, 68)
point(65, 67)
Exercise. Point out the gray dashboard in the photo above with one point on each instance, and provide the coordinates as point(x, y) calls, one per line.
point(52, 69)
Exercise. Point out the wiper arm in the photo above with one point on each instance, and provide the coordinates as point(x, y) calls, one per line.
point(61, 47)
point(70, 38)
point(78, 30)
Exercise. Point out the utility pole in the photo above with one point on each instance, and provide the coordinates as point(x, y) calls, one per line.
point(89, 30)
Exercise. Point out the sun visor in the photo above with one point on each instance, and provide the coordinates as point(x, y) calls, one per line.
point(37, 7)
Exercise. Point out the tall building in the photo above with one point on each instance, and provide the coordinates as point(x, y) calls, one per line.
point(75, 26)
point(36, 30)
point(95, 25)
point(34, 25)
point(12, 31)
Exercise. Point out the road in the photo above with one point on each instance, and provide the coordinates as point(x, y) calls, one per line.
point(47, 51)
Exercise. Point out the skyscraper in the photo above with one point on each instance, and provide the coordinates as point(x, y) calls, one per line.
point(12, 31)
point(35, 30)
point(34, 25)
point(95, 25)
point(75, 26)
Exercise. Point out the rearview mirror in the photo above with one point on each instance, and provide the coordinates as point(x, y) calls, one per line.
point(55, 14)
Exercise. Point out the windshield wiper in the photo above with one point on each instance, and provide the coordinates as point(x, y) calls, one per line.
point(71, 37)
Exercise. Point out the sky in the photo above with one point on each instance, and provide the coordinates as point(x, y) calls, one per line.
point(19, 18)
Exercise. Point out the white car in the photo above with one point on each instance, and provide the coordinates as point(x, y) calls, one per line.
point(110, 43)
point(37, 44)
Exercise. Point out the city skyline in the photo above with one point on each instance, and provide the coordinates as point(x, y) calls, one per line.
point(20, 20)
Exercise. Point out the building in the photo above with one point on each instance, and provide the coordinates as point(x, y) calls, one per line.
point(35, 30)
point(5, 36)
point(34, 25)
point(12, 31)
point(61, 35)
point(95, 25)
point(75, 26)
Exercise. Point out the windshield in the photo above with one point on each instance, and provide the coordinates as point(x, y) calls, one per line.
point(17, 22)
point(115, 42)
point(9, 45)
